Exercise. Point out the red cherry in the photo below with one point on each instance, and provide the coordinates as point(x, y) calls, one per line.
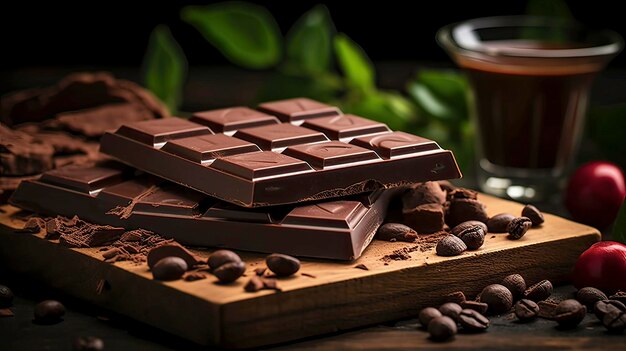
point(595, 193)
point(602, 266)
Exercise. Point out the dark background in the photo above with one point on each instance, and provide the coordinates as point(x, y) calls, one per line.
point(96, 34)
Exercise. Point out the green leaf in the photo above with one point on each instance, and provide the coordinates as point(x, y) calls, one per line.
point(619, 228)
point(165, 67)
point(309, 42)
point(354, 63)
point(246, 34)
point(391, 108)
point(282, 85)
point(441, 94)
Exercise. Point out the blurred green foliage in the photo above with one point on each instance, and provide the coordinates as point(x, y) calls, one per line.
point(314, 60)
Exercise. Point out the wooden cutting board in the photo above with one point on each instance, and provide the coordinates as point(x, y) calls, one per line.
point(338, 297)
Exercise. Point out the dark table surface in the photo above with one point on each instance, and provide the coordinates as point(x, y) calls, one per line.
point(120, 333)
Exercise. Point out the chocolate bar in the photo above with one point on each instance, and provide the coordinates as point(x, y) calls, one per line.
point(285, 152)
point(111, 194)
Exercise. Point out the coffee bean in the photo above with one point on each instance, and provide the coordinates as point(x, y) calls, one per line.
point(396, 232)
point(569, 313)
point(221, 257)
point(229, 272)
point(479, 307)
point(473, 237)
point(588, 296)
point(456, 297)
point(499, 223)
point(603, 307)
point(427, 314)
point(442, 328)
point(6, 296)
point(467, 224)
point(450, 245)
point(619, 296)
point(450, 309)
point(539, 292)
point(49, 312)
point(473, 321)
point(518, 227)
point(526, 310)
point(88, 343)
point(282, 265)
point(546, 309)
point(462, 210)
point(169, 268)
point(516, 285)
point(615, 321)
point(498, 297)
point(533, 214)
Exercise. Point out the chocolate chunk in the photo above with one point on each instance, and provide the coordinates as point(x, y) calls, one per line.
point(424, 219)
point(32, 226)
point(423, 193)
point(91, 235)
point(257, 283)
point(462, 210)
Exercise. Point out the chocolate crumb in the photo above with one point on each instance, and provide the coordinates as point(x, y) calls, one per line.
point(362, 266)
point(257, 283)
point(308, 275)
point(193, 276)
point(493, 236)
point(260, 271)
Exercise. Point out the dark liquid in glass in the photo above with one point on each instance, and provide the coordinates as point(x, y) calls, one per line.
point(529, 118)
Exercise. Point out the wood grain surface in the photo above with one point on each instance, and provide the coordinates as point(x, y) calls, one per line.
point(340, 297)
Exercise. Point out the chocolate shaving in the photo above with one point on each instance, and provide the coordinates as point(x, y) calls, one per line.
point(125, 211)
point(362, 266)
point(308, 275)
point(91, 235)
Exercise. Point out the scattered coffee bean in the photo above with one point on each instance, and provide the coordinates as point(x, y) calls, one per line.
point(516, 285)
point(473, 321)
point(88, 343)
point(499, 223)
point(282, 265)
point(456, 297)
point(603, 307)
point(473, 237)
point(427, 314)
point(451, 310)
point(546, 309)
point(229, 272)
point(396, 232)
point(221, 257)
point(450, 245)
point(169, 268)
point(49, 312)
point(539, 292)
point(569, 313)
point(526, 310)
point(518, 227)
point(467, 224)
point(619, 296)
point(615, 321)
point(6, 296)
point(442, 328)
point(462, 210)
point(533, 214)
point(498, 297)
point(588, 296)
point(477, 306)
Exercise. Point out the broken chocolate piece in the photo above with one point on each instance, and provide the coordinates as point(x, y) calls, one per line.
point(424, 219)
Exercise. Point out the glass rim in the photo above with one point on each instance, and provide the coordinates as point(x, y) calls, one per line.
point(448, 36)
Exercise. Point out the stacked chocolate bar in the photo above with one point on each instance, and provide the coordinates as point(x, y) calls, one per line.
point(293, 176)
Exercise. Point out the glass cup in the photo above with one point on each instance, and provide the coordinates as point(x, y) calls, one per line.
point(530, 78)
